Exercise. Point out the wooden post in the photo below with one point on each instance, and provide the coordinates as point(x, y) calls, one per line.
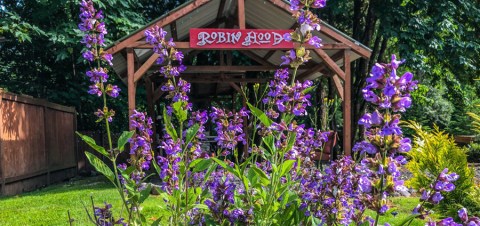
point(75, 144)
point(347, 106)
point(151, 107)
point(241, 14)
point(131, 81)
point(46, 142)
point(2, 171)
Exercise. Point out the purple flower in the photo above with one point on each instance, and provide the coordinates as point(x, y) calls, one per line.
point(436, 198)
point(295, 5)
point(97, 75)
point(315, 41)
point(389, 90)
point(112, 91)
point(229, 127)
point(319, 4)
point(140, 144)
point(405, 145)
point(365, 146)
point(88, 55)
point(462, 213)
point(95, 90)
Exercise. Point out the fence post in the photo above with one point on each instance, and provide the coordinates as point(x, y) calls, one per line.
point(45, 136)
point(2, 173)
point(75, 143)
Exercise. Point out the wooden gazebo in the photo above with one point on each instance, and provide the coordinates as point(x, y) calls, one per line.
point(133, 58)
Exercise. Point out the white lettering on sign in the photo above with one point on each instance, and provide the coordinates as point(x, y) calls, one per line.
point(218, 37)
point(251, 38)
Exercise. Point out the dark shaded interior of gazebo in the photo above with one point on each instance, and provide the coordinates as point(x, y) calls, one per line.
point(220, 73)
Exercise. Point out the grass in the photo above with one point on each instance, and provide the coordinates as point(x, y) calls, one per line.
point(50, 206)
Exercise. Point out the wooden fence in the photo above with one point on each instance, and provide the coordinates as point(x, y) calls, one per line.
point(37, 143)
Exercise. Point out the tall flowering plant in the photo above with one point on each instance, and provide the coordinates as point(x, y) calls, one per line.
point(128, 180)
point(183, 165)
point(267, 179)
point(390, 94)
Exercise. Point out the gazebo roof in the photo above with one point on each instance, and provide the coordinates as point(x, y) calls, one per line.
point(133, 57)
point(261, 14)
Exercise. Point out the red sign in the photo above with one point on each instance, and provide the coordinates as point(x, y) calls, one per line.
point(212, 38)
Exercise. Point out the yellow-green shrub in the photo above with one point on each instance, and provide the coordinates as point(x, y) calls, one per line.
point(432, 152)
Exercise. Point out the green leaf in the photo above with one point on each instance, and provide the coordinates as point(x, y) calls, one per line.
point(168, 125)
point(269, 141)
point(123, 139)
point(126, 173)
point(191, 133)
point(263, 176)
point(286, 167)
point(157, 222)
point(178, 109)
point(260, 115)
point(91, 142)
point(145, 193)
point(200, 206)
point(100, 166)
point(199, 165)
point(307, 90)
point(291, 141)
point(409, 218)
point(225, 166)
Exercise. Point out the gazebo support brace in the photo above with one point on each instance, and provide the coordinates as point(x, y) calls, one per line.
point(131, 81)
point(347, 106)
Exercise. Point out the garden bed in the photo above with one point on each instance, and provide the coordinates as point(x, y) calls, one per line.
point(50, 206)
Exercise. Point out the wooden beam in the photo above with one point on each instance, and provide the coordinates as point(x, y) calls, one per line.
point(131, 81)
point(269, 54)
point(331, 32)
point(226, 80)
point(347, 106)
point(241, 14)
point(163, 21)
point(151, 107)
point(330, 63)
point(235, 87)
point(233, 69)
point(338, 86)
point(319, 67)
point(354, 45)
point(144, 68)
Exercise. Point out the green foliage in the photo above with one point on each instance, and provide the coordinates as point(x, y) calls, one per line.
point(430, 107)
point(432, 152)
point(49, 206)
point(476, 120)
point(474, 152)
point(12, 25)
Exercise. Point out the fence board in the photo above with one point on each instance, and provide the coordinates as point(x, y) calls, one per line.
point(36, 137)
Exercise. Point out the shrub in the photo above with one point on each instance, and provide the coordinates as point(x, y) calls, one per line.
point(474, 152)
point(432, 152)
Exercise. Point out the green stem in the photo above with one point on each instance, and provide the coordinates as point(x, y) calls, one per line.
point(107, 126)
point(382, 179)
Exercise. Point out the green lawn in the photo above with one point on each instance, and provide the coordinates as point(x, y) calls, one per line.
point(49, 206)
